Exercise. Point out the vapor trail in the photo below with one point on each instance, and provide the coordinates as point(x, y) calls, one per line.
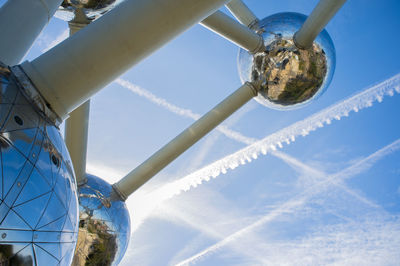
point(270, 143)
point(255, 147)
point(301, 199)
point(180, 111)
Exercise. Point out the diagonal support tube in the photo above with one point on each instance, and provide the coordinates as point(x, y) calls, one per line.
point(74, 70)
point(77, 124)
point(76, 138)
point(242, 13)
point(233, 31)
point(141, 174)
point(316, 21)
point(21, 22)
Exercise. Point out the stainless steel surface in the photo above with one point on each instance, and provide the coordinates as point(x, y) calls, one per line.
point(92, 8)
point(38, 199)
point(34, 96)
point(290, 77)
point(104, 225)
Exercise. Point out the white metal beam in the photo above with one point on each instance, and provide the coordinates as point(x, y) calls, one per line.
point(21, 22)
point(76, 138)
point(242, 13)
point(141, 174)
point(233, 31)
point(77, 124)
point(316, 21)
point(73, 71)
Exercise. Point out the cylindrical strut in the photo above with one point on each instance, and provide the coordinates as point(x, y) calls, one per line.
point(242, 13)
point(73, 71)
point(21, 22)
point(316, 21)
point(77, 124)
point(183, 141)
point(76, 138)
point(232, 30)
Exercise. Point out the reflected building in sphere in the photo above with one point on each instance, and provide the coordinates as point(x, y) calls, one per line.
point(289, 76)
point(38, 198)
point(104, 225)
point(92, 8)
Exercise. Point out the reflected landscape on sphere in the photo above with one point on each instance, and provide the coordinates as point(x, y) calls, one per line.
point(289, 77)
point(92, 8)
point(38, 200)
point(104, 225)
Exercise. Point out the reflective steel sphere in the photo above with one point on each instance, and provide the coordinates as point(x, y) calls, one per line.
point(92, 8)
point(104, 225)
point(290, 77)
point(38, 200)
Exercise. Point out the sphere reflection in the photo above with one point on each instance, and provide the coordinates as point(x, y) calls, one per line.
point(290, 77)
point(104, 225)
point(92, 8)
point(38, 200)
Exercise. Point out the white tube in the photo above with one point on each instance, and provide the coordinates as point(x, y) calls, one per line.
point(21, 22)
point(183, 141)
point(316, 21)
point(76, 138)
point(242, 13)
point(73, 71)
point(235, 32)
point(77, 124)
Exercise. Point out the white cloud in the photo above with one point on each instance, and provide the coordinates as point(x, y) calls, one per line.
point(296, 203)
point(64, 35)
point(355, 103)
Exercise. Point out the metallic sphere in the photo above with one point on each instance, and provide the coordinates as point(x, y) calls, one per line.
point(92, 8)
point(88, 4)
point(38, 199)
point(104, 225)
point(289, 77)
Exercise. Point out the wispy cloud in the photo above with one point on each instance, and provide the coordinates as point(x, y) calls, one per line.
point(64, 35)
point(297, 202)
point(370, 241)
point(210, 206)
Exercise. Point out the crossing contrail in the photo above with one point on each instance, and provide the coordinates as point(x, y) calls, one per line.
point(287, 135)
point(181, 111)
point(355, 103)
point(301, 199)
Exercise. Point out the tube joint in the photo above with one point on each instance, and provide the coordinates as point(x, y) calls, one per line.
point(30, 91)
point(117, 194)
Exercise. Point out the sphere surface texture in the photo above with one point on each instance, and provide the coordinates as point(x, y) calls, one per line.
point(38, 200)
point(104, 225)
point(92, 8)
point(289, 76)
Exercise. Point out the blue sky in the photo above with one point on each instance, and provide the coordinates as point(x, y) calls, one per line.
point(330, 197)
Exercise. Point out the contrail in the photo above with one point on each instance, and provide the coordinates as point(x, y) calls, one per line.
point(180, 111)
point(358, 101)
point(298, 201)
point(270, 143)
